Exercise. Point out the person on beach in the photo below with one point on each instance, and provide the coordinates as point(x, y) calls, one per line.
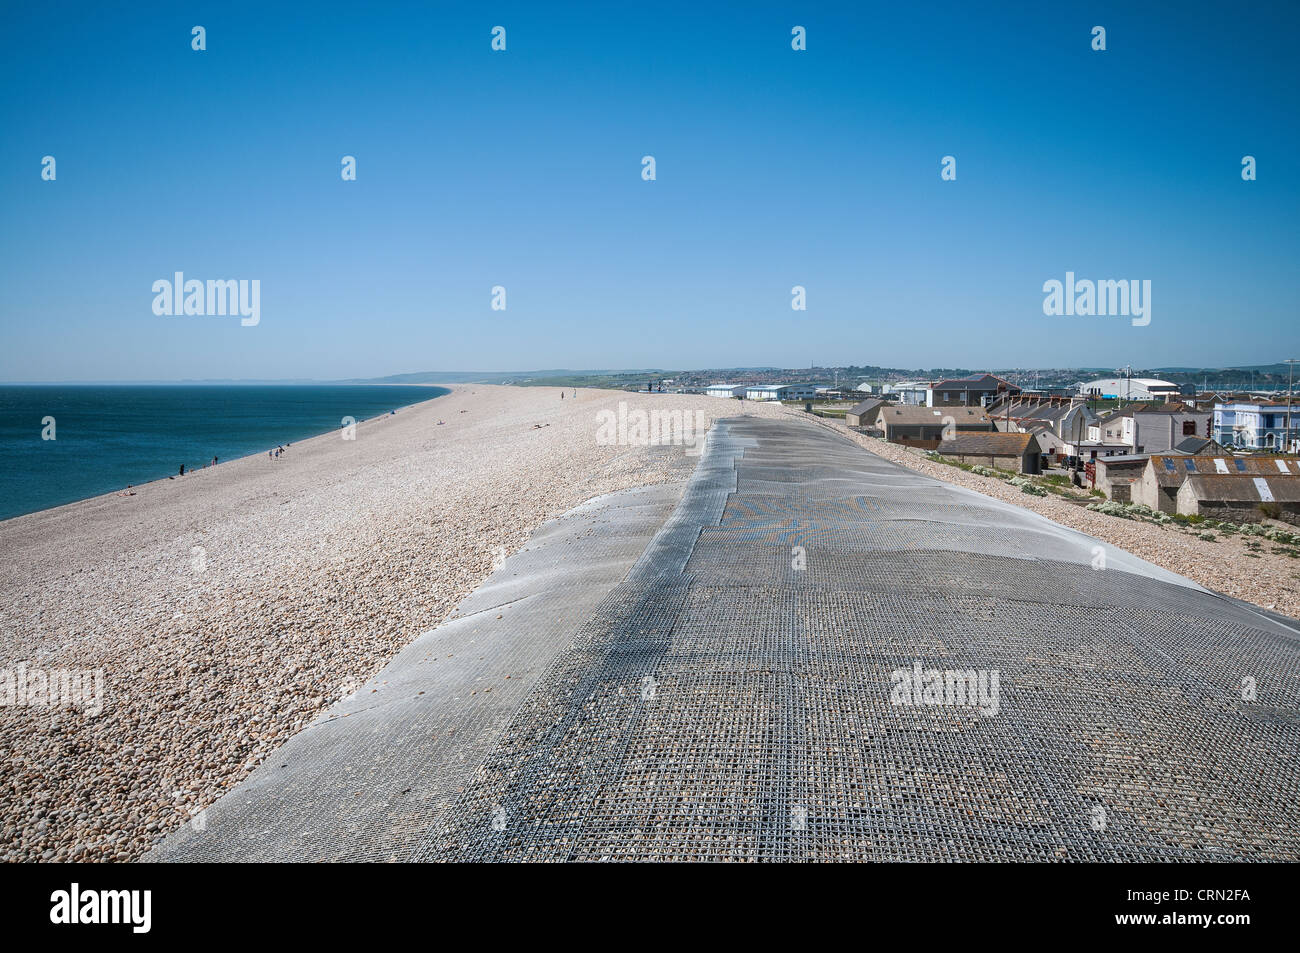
point(182, 469)
point(214, 461)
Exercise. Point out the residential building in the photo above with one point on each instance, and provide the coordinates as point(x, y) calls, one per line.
point(1068, 418)
point(924, 426)
point(909, 392)
point(1256, 425)
point(1149, 427)
point(978, 390)
point(1084, 451)
point(863, 414)
point(1006, 451)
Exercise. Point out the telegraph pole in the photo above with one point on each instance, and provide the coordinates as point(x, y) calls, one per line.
point(1290, 377)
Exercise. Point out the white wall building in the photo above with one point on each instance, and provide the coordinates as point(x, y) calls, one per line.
point(726, 390)
point(1125, 388)
point(910, 392)
point(781, 392)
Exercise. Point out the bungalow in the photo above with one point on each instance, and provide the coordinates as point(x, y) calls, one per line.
point(1006, 451)
point(862, 414)
point(924, 426)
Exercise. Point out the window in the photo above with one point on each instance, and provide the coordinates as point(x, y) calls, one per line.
point(1191, 465)
point(1241, 465)
point(1169, 466)
point(1189, 428)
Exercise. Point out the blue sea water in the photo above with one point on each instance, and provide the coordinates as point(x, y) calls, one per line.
point(107, 436)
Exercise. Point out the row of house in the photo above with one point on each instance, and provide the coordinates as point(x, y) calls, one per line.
point(1236, 488)
point(977, 390)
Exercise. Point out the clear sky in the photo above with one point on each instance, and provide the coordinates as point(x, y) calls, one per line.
point(522, 168)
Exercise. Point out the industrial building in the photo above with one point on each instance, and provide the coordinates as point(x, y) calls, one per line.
point(726, 390)
point(781, 392)
point(1129, 388)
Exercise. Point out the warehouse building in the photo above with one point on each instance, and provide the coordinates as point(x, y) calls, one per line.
point(781, 392)
point(726, 390)
point(1129, 388)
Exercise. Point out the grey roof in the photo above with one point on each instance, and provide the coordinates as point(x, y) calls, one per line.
point(1171, 469)
point(974, 382)
point(992, 442)
point(912, 415)
point(1030, 411)
point(865, 407)
point(1195, 445)
point(1125, 458)
point(1242, 488)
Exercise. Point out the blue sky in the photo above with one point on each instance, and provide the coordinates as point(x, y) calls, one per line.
point(775, 168)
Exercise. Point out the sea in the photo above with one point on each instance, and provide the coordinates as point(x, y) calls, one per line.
point(106, 436)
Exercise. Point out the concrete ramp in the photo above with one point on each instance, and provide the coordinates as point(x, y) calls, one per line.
point(761, 685)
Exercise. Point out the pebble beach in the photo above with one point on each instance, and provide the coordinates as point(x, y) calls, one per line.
point(229, 607)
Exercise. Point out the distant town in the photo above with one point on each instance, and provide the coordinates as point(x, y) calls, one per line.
point(1222, 454)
